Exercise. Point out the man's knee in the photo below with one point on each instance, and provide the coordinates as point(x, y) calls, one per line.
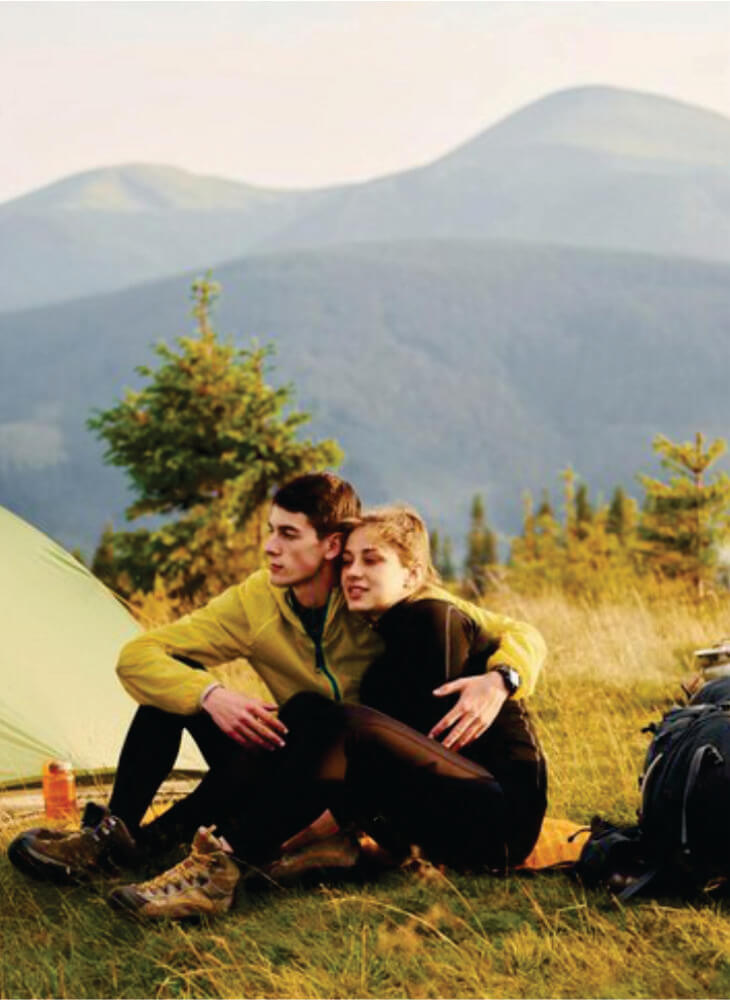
point(307, 708)
point(151, 716)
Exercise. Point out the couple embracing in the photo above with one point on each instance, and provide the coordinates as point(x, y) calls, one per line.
point(398, 710)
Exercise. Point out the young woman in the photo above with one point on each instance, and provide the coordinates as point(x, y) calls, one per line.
point(378, 765)
point(484, 804)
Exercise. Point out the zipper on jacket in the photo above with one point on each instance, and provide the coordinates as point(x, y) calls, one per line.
point(320, 664)
point(322, 667)
point(319, 659)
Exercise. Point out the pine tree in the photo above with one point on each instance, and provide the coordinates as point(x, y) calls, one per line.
point(203, 442)
point(529, 540)
point(481, 547)
point(537, 556)
point(523, 553)
point(441, 556)
point(447, 568)
point(548, 531)
point(545, 511)
point(570, 533)
point(622, 516)
point(683, 521)
point(584, 512)
point(579, 556)
point(587, 550)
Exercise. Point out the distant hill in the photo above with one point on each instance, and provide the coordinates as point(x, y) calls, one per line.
point(114, 227)
point(595, 166)
point(141, 188)
point(611, 120)
point(443, 368)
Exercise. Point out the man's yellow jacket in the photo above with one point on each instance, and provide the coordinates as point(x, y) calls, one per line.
point(256, 620)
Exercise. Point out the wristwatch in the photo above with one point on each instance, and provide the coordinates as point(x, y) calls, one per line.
point(509, 675)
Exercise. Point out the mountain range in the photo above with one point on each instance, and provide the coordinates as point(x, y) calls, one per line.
point(594, 166)
point(553, 292)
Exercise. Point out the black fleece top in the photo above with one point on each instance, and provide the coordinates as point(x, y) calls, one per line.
point(428, 642)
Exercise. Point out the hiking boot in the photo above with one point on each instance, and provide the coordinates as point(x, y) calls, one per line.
point(66, 857)
point(331, 856)
point(203, 884)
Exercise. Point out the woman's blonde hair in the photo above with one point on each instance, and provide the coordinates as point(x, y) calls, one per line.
point(403, 529)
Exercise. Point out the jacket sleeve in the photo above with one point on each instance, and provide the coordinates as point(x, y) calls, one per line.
point(519, 645)
point(217, 633)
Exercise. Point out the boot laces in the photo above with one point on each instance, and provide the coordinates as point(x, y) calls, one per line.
point(187, 874)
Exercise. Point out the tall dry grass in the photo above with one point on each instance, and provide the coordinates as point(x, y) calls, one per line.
point(421, 933)
point(611, 669)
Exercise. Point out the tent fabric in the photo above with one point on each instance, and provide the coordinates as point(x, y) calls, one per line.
point(61, 631)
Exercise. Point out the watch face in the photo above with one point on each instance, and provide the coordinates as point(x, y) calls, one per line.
point(511, 678)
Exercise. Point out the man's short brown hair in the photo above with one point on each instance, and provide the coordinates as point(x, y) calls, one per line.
point(323, 497)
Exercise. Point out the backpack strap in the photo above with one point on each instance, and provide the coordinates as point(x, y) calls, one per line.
point(612, 856)
point(637, 884)
point(694, 769)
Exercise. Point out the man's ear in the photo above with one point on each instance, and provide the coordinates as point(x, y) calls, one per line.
point(333, 545)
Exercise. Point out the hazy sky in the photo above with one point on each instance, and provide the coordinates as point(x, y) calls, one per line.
point(310, 94)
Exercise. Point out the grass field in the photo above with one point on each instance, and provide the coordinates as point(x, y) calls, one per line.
point(420, 933)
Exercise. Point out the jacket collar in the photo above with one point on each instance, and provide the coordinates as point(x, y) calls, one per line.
point(283, 597)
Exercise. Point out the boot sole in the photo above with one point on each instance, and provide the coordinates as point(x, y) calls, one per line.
point(120, 902)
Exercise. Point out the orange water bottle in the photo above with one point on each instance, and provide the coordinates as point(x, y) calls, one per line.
point(59, 789)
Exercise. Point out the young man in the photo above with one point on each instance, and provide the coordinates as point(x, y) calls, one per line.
point(290, 622)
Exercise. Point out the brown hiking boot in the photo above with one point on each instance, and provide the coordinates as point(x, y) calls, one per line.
point(203, 884)
point(329, 856)
point(63, 856)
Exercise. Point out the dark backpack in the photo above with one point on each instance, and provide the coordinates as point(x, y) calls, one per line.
point(682, 842)
point(685, 795)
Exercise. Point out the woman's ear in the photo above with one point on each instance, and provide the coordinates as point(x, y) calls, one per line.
point(414, 576)
point(333, 545)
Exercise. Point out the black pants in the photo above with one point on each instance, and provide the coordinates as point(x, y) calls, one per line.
point(239, 778)
point(369, 769)
point(149, 753)
point(150, 750)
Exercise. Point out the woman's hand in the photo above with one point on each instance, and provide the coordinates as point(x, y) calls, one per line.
point(478, 706)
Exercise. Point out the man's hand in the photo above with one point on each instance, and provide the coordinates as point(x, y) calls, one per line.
point(249, 721)
point(478, 705)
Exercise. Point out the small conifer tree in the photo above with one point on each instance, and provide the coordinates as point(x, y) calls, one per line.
point(622, 516)
point(584, 512)
point(685, 519)
point(441, 556)
point(579, 556)
point(202, 442)
point(536, 556)
point(481, 547)
point(446, 567)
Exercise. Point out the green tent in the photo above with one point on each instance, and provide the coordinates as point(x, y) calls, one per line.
point(61, 634)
